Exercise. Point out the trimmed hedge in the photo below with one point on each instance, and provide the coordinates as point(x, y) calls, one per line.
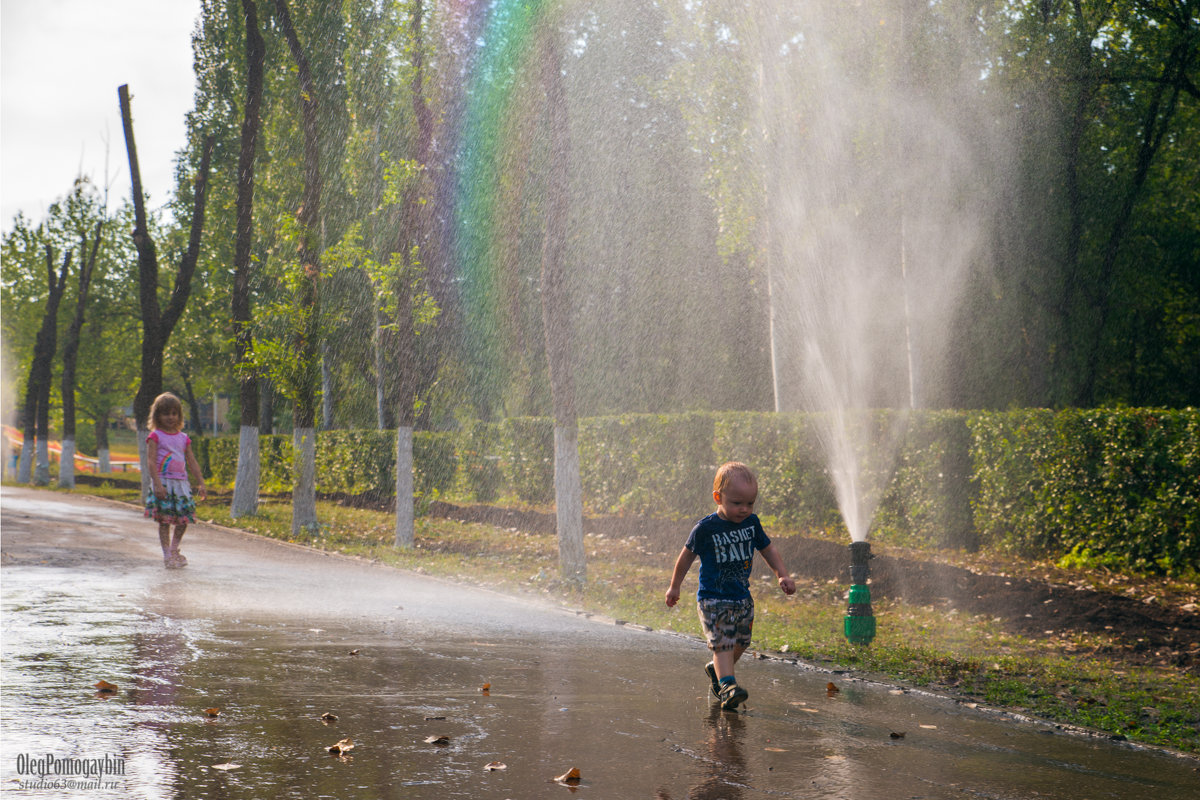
point(1115, 486)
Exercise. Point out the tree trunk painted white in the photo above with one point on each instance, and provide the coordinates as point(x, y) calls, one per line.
point(41, 469)
point(568, 493)
point(105, 460)
point(66, 465)
point(143, 455)
point(405, 535)
point(304, 483)
point(245, 484)
point(25, 467)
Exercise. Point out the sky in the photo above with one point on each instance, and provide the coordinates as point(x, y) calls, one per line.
point(61, 62)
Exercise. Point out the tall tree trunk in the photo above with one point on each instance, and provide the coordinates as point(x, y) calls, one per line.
point(556, 319)
point(246, 482)
point(157, 323)
point(411, 238)
point(36, 418)
point(327, 388)
point(307, 345)
point(103, 461)
point(189, 390)
point(87, 265)
point(1073, 246)
point(266, 407)
point(385, 418)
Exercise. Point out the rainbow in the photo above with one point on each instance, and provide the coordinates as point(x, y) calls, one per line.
point(497, 124)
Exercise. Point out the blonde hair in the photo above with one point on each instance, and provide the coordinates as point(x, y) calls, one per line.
point(730, 471)
point(163, 403)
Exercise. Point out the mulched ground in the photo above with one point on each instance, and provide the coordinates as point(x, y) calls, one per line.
point(1140, 631)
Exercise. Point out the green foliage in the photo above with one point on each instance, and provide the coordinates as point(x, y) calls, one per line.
point(435, 463)
point(786, 456)
point(656, 464)
point(928, 500)
point(1110, 485)
point(357, 462)
point(528, 454)
point(479, 460)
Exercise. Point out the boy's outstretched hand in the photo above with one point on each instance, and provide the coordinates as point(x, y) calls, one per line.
point(787, 584)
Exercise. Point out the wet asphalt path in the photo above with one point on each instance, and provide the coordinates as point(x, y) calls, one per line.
point(264, 632)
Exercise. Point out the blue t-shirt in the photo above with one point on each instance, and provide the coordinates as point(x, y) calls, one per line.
point(726, 551)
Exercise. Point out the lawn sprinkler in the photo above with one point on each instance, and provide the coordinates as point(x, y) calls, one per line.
point(860, 620)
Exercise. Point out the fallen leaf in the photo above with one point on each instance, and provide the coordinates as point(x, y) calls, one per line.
point(495, 765)
point(213, 712)
point(831, 687)
point(104, 687)
point(437, 740)
point(354, 652)
point(897, 735)
point(486, 688)
point(930, 727)
point(895, 691)
point(775, 750)
point(341, 747)
point(427, 719)
point(227, 766)
point(570, 776)
point(328, 717)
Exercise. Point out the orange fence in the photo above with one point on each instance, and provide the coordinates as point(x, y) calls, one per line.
point(82, 463)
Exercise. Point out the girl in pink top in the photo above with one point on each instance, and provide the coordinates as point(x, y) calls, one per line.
point(169, 453)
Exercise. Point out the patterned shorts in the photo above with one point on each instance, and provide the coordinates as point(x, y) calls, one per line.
point(727, 623)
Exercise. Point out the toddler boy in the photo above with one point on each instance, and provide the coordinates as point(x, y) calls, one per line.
point(725, 542)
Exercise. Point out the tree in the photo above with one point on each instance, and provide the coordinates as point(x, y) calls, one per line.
point(568, 491)
point(306, 333)
point(157, 322)
point(37, 388)
point(245, 488)
point(87, 267)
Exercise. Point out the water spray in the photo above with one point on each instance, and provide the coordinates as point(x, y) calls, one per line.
point(859, 625)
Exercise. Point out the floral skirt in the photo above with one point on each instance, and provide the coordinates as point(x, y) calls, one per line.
point(177, 508)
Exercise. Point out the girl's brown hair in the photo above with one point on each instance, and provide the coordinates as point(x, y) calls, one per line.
point(730, 471)
point(163, 403)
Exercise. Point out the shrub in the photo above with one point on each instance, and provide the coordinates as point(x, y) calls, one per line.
point(527, 445)
point(479, 460)
point(357, 462)
point(1106, 485)
point(434, 463)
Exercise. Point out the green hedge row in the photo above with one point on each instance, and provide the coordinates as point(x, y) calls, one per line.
point(1111, 486)
point(1117, 486)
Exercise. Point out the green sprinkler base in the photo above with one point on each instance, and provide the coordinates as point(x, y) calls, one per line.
point(859, 622)
point(859, 630)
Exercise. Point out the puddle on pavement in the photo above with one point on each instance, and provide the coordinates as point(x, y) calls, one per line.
point(627, 709)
